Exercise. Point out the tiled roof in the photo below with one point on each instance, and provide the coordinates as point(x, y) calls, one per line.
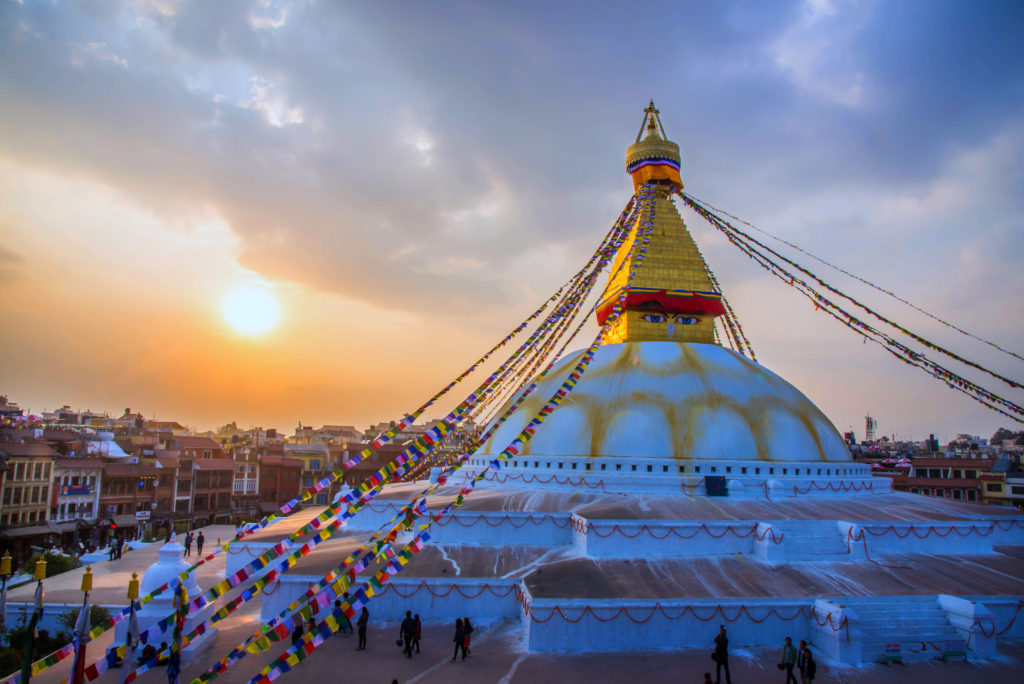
point(28, 449)
point(78, 463)
point(213, 464)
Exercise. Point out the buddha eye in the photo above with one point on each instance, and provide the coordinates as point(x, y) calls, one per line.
point(686, 320)
point(654, 318)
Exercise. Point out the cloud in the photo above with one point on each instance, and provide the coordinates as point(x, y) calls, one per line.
point(94, 53)
point(461, 160)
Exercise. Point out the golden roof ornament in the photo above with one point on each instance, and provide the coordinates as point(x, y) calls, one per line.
point(655, 158)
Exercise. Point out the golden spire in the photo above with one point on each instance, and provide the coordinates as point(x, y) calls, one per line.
point(655, 158)
point(671, 297)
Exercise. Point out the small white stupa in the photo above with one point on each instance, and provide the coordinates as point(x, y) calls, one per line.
point(166, 570)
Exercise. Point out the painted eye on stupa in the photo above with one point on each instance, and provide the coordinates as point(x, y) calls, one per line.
point(686, 320)
point(654, 318)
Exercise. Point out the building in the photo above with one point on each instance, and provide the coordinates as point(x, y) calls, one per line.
point(26, 487)
point(245, 493)
point(280, 481)
point(211, 495)
point(166, 463)
point(317, 463)
point(127, 495)
point(951, 478)
point(76, 484)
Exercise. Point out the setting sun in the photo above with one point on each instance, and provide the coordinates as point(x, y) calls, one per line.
point(250, 310)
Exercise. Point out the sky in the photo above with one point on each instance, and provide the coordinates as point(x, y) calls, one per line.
point(410, 180)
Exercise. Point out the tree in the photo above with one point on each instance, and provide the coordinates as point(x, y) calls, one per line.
point(56, 563)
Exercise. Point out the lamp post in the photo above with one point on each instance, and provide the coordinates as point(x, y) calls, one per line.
point(28, 645)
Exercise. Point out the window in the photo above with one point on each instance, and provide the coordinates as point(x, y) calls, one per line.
point(207, 453)
point(8, 490)
point(250, 486)
point(574, 465)
point(321, 499)
point(1016, 491)
point(728, 469)
point(536, 464)
point(19, 471)
point(990, 487)
point(696, 469)
point(238, 486)
point(664, 469)
point(46, 471)
point(633, 467)
point(618, 466)
point(682, 469)
point(971, 474)
point(587, 466)
point(714, 469)
point(757, 471)
point(559, 465)
point(604, 466)
point(649, 469)
point(314, 464)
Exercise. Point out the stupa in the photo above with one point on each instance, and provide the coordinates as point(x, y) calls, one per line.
point(684, 486)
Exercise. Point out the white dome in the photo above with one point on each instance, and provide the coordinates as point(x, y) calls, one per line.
point(170, 565)
point(678, 401)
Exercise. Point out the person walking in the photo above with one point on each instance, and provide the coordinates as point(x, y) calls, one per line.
point(810, 667)
point(199, 543)
point(721, 656)
point(800, 658)
point(788, 660)
point(408, 633)
point(460, 639)
point(188, 544)
point(467, 628)
point(418, 633)
point(364, 619)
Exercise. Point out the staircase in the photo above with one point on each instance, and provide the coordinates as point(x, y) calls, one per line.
point(915, 622)
point(801, 540)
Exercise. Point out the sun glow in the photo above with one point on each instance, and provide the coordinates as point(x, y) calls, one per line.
point(250, 310)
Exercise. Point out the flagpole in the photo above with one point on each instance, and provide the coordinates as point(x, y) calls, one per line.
point(28, 646)
point(132, 633)
point(82, 629)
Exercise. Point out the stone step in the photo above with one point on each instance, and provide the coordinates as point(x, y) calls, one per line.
point(915, 609)
point(889, 600)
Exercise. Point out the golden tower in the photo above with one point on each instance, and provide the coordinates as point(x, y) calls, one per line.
point(671, 297)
